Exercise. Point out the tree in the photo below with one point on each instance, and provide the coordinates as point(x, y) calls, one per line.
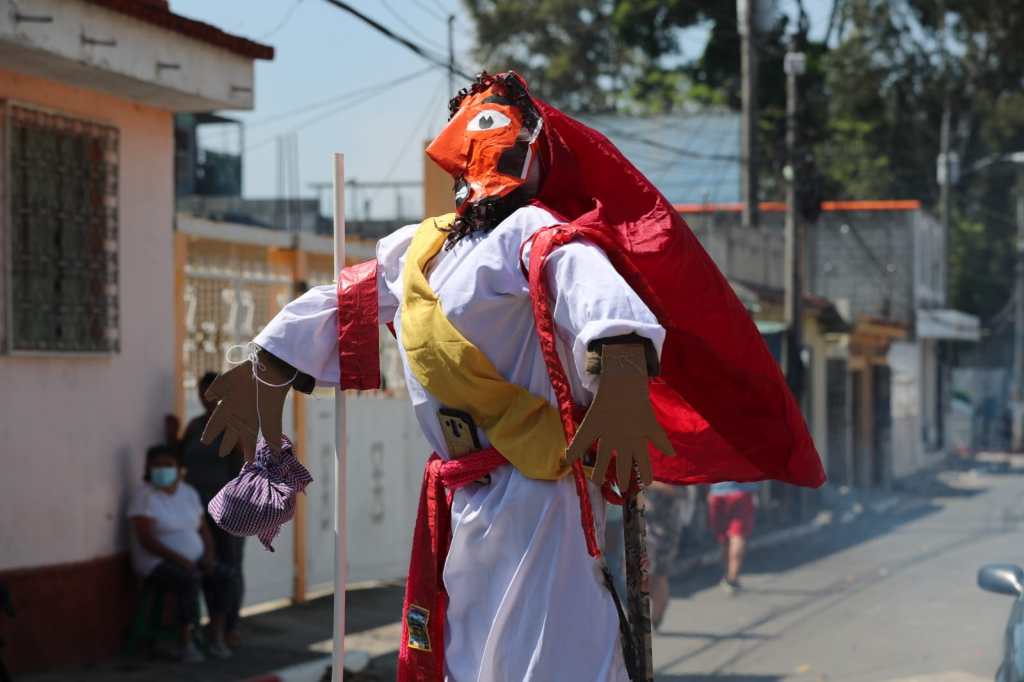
point(566, 49)
point(593, 56)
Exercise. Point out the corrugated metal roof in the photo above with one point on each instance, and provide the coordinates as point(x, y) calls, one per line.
point(690, 157)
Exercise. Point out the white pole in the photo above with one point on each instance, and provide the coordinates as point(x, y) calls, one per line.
point(340, 450)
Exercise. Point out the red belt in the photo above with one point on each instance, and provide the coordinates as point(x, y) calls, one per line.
point(421, 657)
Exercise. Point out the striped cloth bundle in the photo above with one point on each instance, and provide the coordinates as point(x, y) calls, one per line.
point(262, 497)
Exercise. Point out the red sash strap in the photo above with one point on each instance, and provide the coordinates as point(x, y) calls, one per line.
point(421, 657)
point(544, 242)
point(358, 327)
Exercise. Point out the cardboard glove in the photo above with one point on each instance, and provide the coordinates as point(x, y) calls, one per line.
point(247, 405)
point(621, 418)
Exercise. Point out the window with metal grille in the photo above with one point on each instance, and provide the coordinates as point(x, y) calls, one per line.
point(62, 233)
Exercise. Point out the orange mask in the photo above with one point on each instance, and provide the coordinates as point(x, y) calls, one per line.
point(485, 147)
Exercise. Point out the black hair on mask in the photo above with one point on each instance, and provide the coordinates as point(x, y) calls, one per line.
point(484, 215)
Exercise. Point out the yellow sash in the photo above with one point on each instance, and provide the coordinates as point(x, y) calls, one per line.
point(524, 428)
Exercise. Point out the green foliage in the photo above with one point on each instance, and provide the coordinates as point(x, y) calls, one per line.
point(592, 56)
point(853, 163)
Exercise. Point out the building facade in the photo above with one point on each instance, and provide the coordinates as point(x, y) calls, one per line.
point(87, 94)
point(881, 265)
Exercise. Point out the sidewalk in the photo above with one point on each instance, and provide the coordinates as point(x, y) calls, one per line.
point(291, 644)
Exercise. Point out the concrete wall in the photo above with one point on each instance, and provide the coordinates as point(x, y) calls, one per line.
point(74, 428)
point(905, 360)
point(753, 256)
point(867, 258)
point(816, 394)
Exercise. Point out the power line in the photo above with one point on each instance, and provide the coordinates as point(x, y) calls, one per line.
point(686, 153)
point(424, 121)
point(379, 89)
point(306, 108)
point(404, 22)
point(440, 17)
point(284, 20)
point(444, 10)
point(405, 42)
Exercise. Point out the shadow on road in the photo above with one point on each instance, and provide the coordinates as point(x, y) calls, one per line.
point(832, 538)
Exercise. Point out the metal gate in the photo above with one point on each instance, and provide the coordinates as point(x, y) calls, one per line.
point(225, 305)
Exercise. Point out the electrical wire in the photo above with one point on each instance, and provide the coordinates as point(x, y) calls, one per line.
point(686, 153)
point(421, 129)
point(380, 89)
point(405, 42)
point(417, 132)
point(284, 20)
point(415, 31)
point(333, 99)
point(444, 10)
point(440, 17)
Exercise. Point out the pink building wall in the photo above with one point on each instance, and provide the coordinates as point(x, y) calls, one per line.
point(74, 429)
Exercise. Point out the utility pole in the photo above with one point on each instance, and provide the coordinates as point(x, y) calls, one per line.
point(795, 63)
point(451, 55)
point(1017, 390)
point(745, 12)
point(946, 173)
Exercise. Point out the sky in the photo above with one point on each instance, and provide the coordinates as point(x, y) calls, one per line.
point(323, 53)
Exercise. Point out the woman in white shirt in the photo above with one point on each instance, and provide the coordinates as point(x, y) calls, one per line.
point(172, 549)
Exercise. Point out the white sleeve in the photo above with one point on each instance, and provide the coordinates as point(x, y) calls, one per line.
point(593, 301)
point(305, 333)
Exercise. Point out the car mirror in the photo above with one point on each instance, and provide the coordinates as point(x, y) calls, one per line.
point(1002, 579)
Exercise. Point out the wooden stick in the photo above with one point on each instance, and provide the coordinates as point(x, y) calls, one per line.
point(340, 447)
point(638, 596)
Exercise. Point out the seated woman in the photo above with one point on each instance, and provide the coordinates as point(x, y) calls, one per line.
point(172, 549)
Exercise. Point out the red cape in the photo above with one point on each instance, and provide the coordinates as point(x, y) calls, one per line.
point(720, 396)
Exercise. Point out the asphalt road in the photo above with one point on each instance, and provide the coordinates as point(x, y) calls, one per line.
point(888, 596)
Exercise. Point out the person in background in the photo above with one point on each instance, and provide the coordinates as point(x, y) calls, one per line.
point(207, 472)
point(667, 509)
point(731, 517)
point(172, 550)
point(172, 426)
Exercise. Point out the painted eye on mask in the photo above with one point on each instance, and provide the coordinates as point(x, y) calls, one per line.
point(488, 119)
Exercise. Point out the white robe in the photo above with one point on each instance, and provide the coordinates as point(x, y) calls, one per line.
point(526, 601)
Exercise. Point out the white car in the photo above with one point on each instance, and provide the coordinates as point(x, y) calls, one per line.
point(1008, 579)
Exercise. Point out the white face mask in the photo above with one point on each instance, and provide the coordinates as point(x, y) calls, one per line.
point(163, 477)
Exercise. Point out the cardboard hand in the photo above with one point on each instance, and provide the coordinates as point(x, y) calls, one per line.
point(621, 418)
point(246, 406)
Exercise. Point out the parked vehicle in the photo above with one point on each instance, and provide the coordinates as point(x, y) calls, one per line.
point(1008, 579)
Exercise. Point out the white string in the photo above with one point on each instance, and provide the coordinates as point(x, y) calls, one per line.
point(251, 351)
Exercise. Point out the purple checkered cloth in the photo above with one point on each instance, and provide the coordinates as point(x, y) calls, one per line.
point(262, 497)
